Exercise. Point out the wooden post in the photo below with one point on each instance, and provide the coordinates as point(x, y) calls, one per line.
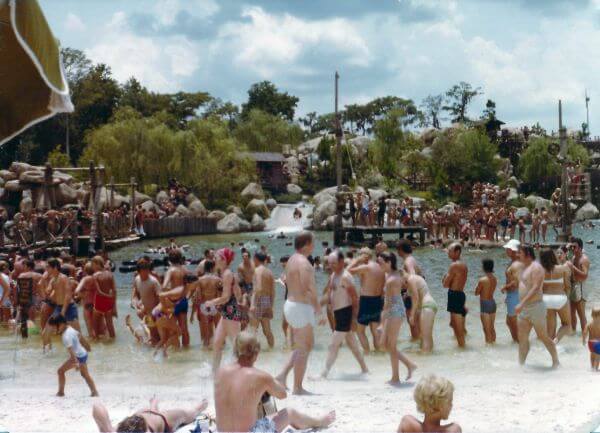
point(48, 188)
point(132, 205)
point(112, 192)
point(100, 241)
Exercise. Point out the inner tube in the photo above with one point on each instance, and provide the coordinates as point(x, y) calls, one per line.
point(195, 261)
point(127, 269)
point(129, 262)
point(160, 262)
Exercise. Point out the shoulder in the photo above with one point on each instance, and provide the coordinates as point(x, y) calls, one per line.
point(409, 424)
point(453, 428)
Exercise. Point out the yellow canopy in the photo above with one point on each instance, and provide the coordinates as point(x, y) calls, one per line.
point(33, 86)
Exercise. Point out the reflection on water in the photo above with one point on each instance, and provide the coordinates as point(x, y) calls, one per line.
point(125, 362)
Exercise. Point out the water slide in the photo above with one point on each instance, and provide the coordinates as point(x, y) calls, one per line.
point(282, 218)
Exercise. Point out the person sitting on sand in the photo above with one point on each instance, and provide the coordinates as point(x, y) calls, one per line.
point(433, 396)
point(148, 420)
point(239, 389)
point(78, 349)
point(485, 289)
point(592, 334)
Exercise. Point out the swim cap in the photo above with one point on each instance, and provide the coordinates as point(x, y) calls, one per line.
point(226, 254)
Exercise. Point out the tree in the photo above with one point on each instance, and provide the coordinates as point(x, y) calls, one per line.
point(432, 109)
point(264, 132)
point(76, 64)
point(57, 158)
point(491, 122)
point(536, 163)
point(266, 97)
point(458, 98)
point(309, 120)
point(227, 111)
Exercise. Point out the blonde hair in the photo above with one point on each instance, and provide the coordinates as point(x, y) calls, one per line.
point(98, 261)
point(433, 393)
point(596, 311)
point(365, 251)
point(246, 346)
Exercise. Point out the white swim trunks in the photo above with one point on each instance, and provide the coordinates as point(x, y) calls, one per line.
point(299, 315)
point(555, 302)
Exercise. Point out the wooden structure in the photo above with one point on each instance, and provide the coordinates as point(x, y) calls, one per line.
point(270, 169)
point(355, 235)
point(179, 226)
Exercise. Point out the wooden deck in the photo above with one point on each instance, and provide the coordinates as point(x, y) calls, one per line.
point(367, 235)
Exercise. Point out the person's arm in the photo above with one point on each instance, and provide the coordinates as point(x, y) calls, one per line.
point(81, 286)
point(567, 280)
point(358, 265)
point(351, 289)
point(135, 294)
point(85, 343)
point(409, 267)
point(414, 295)
point(275, 388)
point(478, 288)
point(225, 294)
point(166, 280)
point(68, 295)
point(449, 277)
point(100, 414)
point(509, 284)
point(5, 290)
point(113, 292)
point(583, 272)
point(309, 281)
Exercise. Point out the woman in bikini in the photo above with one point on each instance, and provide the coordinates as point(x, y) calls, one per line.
point(544, 224)
point(427, 306)
point(556, 288)
point(231, 315)
point(394, 314)
point(86, 290)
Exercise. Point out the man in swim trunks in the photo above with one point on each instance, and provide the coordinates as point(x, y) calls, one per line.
point(344, 303)
point(105, 303)
point(580, 268)
point(29, 274)
point(411, 267)
point(239, 389)
point(148, 420)
point(245, 277)
point(209, 254)
point(263, 297)
point(175, 279)
point(511, 288)
point(144, 295)
point(372, 280)
point(531, 308)
point(455, 281)
point(301, 309)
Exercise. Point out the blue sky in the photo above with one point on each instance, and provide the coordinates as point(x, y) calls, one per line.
point(525, 54)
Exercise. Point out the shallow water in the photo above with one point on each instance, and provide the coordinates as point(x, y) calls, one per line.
point(124, 366)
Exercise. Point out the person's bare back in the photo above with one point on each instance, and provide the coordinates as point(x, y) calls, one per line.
point(486, 287)
point(410, 424)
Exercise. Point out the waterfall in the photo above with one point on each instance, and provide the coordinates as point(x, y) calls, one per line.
point(282, 218)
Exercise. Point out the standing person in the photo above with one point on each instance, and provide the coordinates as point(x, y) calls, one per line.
point(301, 309)
point(486, 286)
point(372, 281)
point(208, 288)
point(455, 281)
point(381, 211)
point(145, 296)
point(263, 297)
point(591, 333)
point(545, 219)
point(555, 289)
point(433, 396)
point(411, 267)
point(175, 278)
point(285, 327)
point(531, 308)
point(231, 315)
point(105, 301)
point(427, 308)
point(209, 254)
point(240, 389)
point(393, 315)
point(534, 234)
point(344, 303)
point(580, 268)
point(78, 349)
point(86, 290)
point(511, 288)
point(245, 273)
point(33, 278)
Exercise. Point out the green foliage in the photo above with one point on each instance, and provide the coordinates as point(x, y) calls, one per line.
point(432, 109)
point(266, 97)
point(537, 163)
point(324, 148)
point(363, 118)
point(203, 156)
point(57, 158)
point(458, 98)
point(264, 132)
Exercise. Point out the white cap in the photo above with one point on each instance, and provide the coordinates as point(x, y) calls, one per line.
point(513, 245)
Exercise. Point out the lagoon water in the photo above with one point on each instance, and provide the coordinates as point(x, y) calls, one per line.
point(492, 392)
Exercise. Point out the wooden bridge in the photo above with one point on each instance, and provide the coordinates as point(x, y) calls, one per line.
point(368, 235)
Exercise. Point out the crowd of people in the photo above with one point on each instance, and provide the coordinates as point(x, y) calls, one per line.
point(235, 303)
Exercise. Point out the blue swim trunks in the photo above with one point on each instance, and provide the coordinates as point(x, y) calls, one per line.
point(512, 300)
point(82, 359)
point(181, 307)
point(594, 346)
point(71, 313)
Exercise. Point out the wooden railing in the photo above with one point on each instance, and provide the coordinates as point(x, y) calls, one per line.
point(179, 226)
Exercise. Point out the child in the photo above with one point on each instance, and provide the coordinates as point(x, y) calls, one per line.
point(485, 290)
point(592, 330)
point(433, 396)
point(166, 324)
point(78, 348)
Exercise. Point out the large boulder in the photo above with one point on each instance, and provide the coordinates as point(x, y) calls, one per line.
point(376, 194)
point(252, 191)
point(162, 197)
point(20, 167)
point(329, 223)
point(587, 212)
point(149, 205)
point(139, 198)
point(217, 214)
point(190, 198)
point(233, 224)
point(236, 210)
point(257, 223)
point(65, 194)
point(322, 212)
point(448, 209)
point(523, 212)
point(325, 195)
point(512, 195)
point(196, 208)
point(257, 206)
point(8, 175)
point(32, 176)
point(293, 189)
point(14, 186)
point(183, 211)
point(271, 203)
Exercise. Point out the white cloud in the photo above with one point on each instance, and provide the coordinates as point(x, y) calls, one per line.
point(74, 23)
point(166, 10)
point(156, 63)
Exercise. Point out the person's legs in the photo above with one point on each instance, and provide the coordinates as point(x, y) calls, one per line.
point(218, 344)
point(484, 325)
point(89, 324)
point(524, 330)
point(110, 327)
point(266, 327)
point(426, 322)
point(540, 330)
point(458, 324)
point(511, 323)
point(83, 369)
point(375, 334)
point(361, 330)
point(303, 342)
point(301, 421)
point(573, 306)
point(353, 346)
point(565, 323)
point(203, 323)
point(68, 365)
point(414, 329)
point(185, 333)
point(580, 307)
point(334, 348)
point(551, 323)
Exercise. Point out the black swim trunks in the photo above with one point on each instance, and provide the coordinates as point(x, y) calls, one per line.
point(369, 309)
point(343, 319)
point(406, 299)
point(456, 302)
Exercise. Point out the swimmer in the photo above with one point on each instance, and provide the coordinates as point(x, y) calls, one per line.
point(580, 268)
point(427, 308)
point(105, 305)
point(145, 295)
point(486, 286)
point(455, 281)
point(263, 298)
point(592, 334)
point(511, 288)
point(174, 279)
point(344, 303)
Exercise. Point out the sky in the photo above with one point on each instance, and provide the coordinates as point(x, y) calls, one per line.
point(524, 54)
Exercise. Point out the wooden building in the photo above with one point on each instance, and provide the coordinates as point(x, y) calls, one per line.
point(270, 169)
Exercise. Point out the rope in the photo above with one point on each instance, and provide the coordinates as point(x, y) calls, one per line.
point(350, 160)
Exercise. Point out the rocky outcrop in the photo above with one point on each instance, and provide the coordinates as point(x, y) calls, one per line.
point(162, 197)
point(257, 224)
point(196, 208)
point(376, 194)
point(183, 211)
point(190, 198)
point(252, 191)
point(587, 212)
point(65, 195)
point(236, 210)
point(293, 189)
point(217, 214)
point(8, 175)
point(149, 205)
point(26, 205)
point(271, 203)
point(233, 224)
point(257, 206)
point(322, 212)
